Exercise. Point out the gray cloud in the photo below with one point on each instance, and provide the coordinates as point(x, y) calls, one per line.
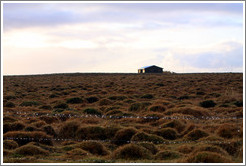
point(28, 14)
point(215, 59)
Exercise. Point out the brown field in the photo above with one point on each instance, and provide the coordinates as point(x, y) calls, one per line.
point(123, 118)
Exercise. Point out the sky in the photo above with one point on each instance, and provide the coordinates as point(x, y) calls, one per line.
point(41, 38)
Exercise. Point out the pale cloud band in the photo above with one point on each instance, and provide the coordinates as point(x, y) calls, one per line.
point(115, 37)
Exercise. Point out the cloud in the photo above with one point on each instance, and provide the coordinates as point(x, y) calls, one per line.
point(49, 15)
point(227, 56)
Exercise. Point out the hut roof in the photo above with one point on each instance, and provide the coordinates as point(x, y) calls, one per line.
point(149, 66)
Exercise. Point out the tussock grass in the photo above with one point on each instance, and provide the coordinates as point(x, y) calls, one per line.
point(141, 136)
point(124, 135)
point(34, 136)
point(69, 129)
point(10, 144)
point(167, 155)
point(30, 150)
point(167, 133)
point(176, 124)
point(196, 134)
point(131, 152)
point(91, 132)
point(207, 157)
point(136, 95)
point(95, 148)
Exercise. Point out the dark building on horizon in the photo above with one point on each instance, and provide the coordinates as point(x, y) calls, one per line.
point(150, 69)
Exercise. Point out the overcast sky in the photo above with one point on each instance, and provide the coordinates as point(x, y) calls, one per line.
point(43, 38)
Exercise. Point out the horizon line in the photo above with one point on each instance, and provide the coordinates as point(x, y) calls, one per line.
point(119, 73)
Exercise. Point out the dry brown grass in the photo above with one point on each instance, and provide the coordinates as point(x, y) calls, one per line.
point(118, 95)
point(132, 152)
point(207, 157)
point(30, 150)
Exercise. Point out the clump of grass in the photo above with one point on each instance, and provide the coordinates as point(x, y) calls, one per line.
point(48, 129)
point(231, 148)
point(115, 112)
point(30, 137)
point(112, 108)
point(194, 111)
point(186, 149)
point(196, 134)
point(238, 103)
point(124, 135)
point(7, 152)
point(48, 119)
point(160, 84)
point(147, 96)
point(15, 126)
point(29, 103)
point(131, 152)
point(139, 106)
point(188, 129)
point(142, 136)
point(74, 100)
point(207, 157)
point(95, 148)
point(178, 125)
point(167, 133)
point(68, 147)
point(9, 104)
point(10, 97)
point(92, 111)
point(68, 143)
point(10, 144)
point(61, 105)
point(200, 93)
point(111, 130)
point(39, 124)
point(157, 108)
point(105, 102)
point(59, 110)
point(45, 107)
point(227, 131)
point(31, 128)
point(149, 146)
point(9, 119)
point(117, 97)
point(69, 129)
point(92, 99)
point(77, 152)
point(211, 148)
point(207, 103)
point(53, 95)
point(184, 97)
point(91, 132)
point(167, 155)
point(30, 150)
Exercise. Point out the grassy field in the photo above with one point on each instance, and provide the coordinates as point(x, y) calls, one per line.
point(123, 118)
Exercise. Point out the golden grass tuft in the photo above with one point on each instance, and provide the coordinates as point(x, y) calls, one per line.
point(207, 157)
point(142, 136)
point(69, 129)
point(167, 155)
point(196, 134)
point(131, 152)
point(30, 150)
point(36, 136)
point(95, 148)
point(91, 132)
point(122, 136)
point(10, 144)
point(176, 124)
